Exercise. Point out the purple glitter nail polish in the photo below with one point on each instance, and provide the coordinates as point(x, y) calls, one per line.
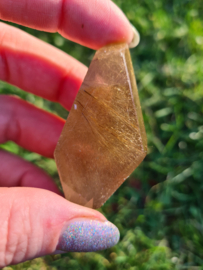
point(83, 235)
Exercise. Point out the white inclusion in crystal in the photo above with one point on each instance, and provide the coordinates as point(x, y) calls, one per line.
point(75, 106)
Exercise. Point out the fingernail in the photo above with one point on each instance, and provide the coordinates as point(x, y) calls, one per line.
point(136, 38)
point(83, 235)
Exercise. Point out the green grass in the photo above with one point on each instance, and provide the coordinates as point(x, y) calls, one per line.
point(159, 209)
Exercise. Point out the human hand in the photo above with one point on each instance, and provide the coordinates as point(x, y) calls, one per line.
point(34, 219)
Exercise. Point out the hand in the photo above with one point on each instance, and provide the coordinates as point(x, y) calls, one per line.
point(34, 219)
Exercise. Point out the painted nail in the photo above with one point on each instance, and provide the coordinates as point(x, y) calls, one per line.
point(136, 38)
point(83, 235)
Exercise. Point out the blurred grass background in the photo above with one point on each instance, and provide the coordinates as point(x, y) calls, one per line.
point(159, 209)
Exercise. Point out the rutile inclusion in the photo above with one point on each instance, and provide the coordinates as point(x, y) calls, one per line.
point(104, 137)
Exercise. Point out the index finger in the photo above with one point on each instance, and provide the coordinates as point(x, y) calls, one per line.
point(92, 23)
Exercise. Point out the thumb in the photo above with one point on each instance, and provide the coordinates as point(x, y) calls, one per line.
point(36, 222)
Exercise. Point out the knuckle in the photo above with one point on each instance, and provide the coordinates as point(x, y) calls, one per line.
point(10, 127)
point(15, 231)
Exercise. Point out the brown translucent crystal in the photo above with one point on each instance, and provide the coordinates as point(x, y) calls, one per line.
point(104, 137)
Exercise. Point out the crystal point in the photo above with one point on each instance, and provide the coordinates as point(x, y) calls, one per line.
point(104, 137)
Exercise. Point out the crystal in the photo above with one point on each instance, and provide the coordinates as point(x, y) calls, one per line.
point(104, 137)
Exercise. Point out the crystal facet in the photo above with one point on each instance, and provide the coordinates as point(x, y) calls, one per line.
point(104, 137)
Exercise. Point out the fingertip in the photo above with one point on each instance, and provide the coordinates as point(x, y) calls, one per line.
point(122, 28)
point(95, 23)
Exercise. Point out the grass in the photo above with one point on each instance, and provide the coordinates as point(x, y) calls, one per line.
point(159, 209)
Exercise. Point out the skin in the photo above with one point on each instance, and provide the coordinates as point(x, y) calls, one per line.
point(32, 211)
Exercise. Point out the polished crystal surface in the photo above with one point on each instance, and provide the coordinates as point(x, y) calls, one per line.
point(104, 137)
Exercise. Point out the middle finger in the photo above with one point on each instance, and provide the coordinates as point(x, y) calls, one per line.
point(39, 68)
